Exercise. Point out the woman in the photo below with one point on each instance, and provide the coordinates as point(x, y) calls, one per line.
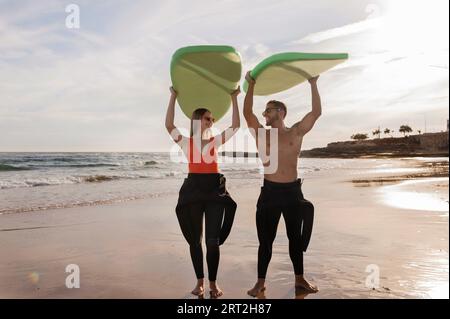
point(203, 192)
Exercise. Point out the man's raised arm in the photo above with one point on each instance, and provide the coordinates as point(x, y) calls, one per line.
point(250, 117)
point(307, 123)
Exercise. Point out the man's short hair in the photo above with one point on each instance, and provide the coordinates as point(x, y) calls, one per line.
point(279, 104)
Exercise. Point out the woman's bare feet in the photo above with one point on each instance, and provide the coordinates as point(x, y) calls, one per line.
point(300, 282)
point(215, 292)
point(199, 289)
point(258, 288)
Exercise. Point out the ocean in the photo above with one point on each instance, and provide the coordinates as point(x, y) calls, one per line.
point(41, 181)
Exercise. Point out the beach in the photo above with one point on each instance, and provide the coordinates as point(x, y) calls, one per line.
point(385, 216)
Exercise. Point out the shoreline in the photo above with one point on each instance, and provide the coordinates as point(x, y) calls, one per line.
point(62, 196)
point(314, 154)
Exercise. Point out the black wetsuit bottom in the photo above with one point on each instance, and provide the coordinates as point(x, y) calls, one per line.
point(298, 214)
point(213, 213)
point(205, 195)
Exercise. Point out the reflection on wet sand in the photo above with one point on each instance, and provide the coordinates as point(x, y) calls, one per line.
point(425, 189)
point(425, 195)
point(301, 293)
point(424, 171)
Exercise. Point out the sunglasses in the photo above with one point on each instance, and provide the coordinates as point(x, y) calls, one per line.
point(269, 109)
point(209, 119)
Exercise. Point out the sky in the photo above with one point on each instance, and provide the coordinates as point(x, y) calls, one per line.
point(105, 85)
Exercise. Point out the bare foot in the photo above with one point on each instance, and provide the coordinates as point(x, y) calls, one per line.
point(215, 292)
point(257, 289)
point(300, 282)
point(199, 290)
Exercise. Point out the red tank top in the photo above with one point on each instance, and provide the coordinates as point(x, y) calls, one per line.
point(202, 163)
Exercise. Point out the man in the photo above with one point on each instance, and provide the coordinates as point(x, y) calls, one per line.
point(281, 192)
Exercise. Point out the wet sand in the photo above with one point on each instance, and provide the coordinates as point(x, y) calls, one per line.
point(136, 250)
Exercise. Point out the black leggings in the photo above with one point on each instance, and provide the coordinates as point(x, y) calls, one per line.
point(298, 218)
point(267, 224)
point(213, 221)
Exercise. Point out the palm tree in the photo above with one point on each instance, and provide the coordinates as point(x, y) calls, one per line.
point(387, 132)
point(377, 132)
point(405, 129)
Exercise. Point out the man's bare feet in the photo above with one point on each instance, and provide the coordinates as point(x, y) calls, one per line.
point(258, 288)
point(300, 282)
point(199, 289)
point(301, 293)
point(215, 292)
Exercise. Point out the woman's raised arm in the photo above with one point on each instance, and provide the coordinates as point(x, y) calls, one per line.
point(170, 116)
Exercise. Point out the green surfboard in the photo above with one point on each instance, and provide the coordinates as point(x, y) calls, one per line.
point(204, 77)
point(283, 71)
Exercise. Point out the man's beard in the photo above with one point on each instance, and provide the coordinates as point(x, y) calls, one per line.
point(270, 121)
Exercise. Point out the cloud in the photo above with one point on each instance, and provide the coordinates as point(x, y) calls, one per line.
point(346, 30)
point(389, 79)
point(108, 81)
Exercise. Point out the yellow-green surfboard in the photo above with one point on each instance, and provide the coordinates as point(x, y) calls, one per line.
point(204, 77)
point(283, 71)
